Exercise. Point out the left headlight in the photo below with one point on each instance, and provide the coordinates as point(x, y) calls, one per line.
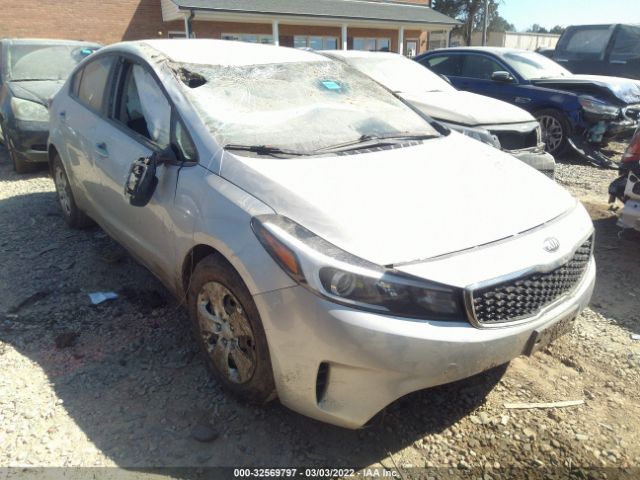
point(341, 277)
point(29, 111)
point(480, 134)
point(598, 107)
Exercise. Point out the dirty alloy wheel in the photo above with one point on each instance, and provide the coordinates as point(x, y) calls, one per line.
point(229, 332)
point(74, 217)
point(19, 165)
point(555, 129)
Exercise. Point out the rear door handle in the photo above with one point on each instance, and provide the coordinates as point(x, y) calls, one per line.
point(101, 149)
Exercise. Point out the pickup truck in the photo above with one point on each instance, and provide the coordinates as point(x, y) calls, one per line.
point(612, 49)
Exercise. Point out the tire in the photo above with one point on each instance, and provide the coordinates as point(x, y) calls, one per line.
point(555, 130)
point(19, 165)
point(74, 217)
point(227, 327)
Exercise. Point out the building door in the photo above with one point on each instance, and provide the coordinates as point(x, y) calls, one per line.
point(411, 47)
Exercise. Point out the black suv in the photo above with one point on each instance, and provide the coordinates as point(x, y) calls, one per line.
point(600, 50)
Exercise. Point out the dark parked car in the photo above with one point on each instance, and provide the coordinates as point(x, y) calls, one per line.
point(578, 110)
point(31, 72)
point(600, 50)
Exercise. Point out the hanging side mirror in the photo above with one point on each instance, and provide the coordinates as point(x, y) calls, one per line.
point(142, 181)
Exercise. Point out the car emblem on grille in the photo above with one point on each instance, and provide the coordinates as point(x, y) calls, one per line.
point(551, 244)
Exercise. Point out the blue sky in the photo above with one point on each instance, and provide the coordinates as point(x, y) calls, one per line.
point(548, 13)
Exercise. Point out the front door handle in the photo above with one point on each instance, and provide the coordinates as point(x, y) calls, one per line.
point(63, 116)
point(101, 149)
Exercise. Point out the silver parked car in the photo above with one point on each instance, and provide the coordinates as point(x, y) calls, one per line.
point(336, 248)
point(486, 119)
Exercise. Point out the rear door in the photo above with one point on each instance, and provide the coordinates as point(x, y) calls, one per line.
point(79, 122)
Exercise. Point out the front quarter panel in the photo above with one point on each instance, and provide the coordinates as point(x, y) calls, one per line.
point(214, 212)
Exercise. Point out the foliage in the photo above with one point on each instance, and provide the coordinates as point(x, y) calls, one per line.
point(471, 14)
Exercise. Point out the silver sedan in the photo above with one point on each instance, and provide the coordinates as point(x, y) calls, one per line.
point(336, 248)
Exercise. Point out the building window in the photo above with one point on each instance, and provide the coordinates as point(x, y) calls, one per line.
point(248, 37)
point(176, 34)
point(317, 43)
point(372, 44)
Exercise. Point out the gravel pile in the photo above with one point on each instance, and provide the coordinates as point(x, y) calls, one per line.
point(120, 383)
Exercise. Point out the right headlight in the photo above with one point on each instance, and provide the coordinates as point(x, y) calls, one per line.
point(480, 134)
point(598, 107)
point(29, 111)
point(341, 277)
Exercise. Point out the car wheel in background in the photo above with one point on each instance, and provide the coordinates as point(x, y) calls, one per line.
point(555, 130)
point(19, 165)
point(74, 217)
point(228, 330)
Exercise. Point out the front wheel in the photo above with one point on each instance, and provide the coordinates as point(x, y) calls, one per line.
point(555, 130)
point(229, 332)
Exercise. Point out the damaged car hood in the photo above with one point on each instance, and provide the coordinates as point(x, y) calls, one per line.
point(39, 91)
point(466, 108)
point(623, 89)
point(406, 204)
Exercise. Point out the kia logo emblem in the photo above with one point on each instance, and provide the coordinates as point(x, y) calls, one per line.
point(551, 244)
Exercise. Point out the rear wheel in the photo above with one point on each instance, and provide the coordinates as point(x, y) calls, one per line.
point(555, 130)
point(74, 217)
point(229, 332)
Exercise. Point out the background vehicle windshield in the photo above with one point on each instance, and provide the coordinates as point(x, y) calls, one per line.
point(401, 74)
point(531, 66)
point(45, 61)
point(299, 106)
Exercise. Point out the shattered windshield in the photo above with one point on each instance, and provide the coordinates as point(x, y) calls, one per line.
point(532, 66)
point(400, 74)
point(45, 61)
point(303, 106)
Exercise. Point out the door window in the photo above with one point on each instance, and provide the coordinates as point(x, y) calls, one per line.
point(143, 107)
point(479, 66)
point(627, 44)
point(444, 64)
point(93, 84)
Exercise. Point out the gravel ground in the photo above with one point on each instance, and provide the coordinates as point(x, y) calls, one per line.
point(120, 384)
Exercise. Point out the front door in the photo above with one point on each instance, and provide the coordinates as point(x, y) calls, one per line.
point(139, 125)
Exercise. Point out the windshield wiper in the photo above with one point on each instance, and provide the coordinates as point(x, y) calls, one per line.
point(264, 149)
point(376, 140)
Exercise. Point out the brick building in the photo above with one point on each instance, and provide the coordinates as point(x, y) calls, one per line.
point(400, 26)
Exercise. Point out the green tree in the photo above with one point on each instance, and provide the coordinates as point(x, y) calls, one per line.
point(471, 14)
point(557, 29)
point(535, 28)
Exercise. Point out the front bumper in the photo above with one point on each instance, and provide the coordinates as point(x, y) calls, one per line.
point(538, 159)
point(29, 140)
point(342, 366)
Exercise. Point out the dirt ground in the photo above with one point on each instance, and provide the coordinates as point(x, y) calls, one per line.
point(120, 384)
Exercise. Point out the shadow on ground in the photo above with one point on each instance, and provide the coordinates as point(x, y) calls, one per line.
point(127, 370)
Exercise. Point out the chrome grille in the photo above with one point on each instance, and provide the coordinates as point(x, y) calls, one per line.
point(525, 296)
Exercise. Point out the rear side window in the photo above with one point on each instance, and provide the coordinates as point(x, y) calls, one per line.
point(93, 84)
point(587, 41)
point(627, 44)
point(444, 64)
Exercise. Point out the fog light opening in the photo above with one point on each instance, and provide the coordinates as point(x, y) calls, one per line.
point(322, 382)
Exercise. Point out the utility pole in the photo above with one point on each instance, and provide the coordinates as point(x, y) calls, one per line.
point(486, 23)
